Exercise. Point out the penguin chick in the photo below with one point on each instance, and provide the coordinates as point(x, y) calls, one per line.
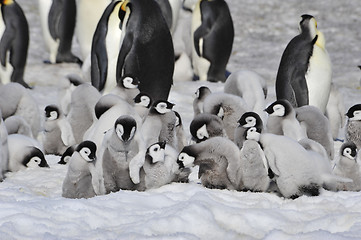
point(282, 120)
point(24, 152)
point(179, 132)
point(348, 166)
point(142, 104)
point(81, 174)
point(317, 127)
point(247, 120)
point(160, 124)
point(254, 166)
point(123, 155)
point(64, 159)
point(205, 126)
point(228, 107)
point(4, 149)
point(218, 161)
point(127, 88)
point(353, 125)
point(201, 94)
point(17, 124)
point(58, 135)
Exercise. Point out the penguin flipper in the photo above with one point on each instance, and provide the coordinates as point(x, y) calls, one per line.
point(54, 18)
point(124, 50)
point(5, 44)
point(98, 69)
point(202, 31)
point(299, 86)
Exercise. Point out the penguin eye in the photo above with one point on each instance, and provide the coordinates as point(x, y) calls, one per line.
point(156, 149)
point(347, 151)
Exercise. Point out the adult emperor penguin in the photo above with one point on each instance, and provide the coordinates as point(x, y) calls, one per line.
point(201, 93)
point(105, 48)
point(347, 165)
point(16, 100)
point(81, 180)
point(58, 24)
point(58, 134)
point(282, 120)
point(205, 126)
point(304, 73)
point(247, 120)
point(353, 125)
point(121, 151)
point(25, 152)
point(14, 43)
point(139, 51)
point(212, 35)
point(218, 161)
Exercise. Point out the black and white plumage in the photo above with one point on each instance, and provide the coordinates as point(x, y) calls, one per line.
point(282, 120)
point(205, 126)
point(82, 179)
point(14, 43)
point(127, 89)
point(142, 104)
point(228, 107)
point(122, 155)
point(317, 127)
point(198, 101)
point(347, 165)
point(353, 125)
point(58, 134)
point(247, 120)
point(218, 161)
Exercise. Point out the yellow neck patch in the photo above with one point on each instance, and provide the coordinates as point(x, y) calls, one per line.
point(8, 2)
point(124, 5)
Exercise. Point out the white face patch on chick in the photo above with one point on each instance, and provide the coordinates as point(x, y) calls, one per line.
point(250, 122)
point(34, 162)
point(202, 132)
point(186, 159)
point(278, 110)
point(85, 153)
point(162, 108)
point(53, 115)
point(157, 153)
point(128, 83)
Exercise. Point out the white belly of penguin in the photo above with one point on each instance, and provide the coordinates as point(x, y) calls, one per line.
point(200, 64)
point(318, 78)
point(5, 72)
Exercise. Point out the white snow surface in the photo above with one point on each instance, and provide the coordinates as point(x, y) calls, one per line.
point(31, 206)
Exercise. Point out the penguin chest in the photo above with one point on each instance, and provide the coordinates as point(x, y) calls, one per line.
point(318, 78)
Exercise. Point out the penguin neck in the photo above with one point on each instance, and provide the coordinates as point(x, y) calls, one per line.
point(321, 42)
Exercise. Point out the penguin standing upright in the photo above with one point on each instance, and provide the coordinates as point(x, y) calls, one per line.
point(14, 43)
point(212, 34)
point(304, 73)
point(147, 48)
point(105, 49)
point(353, 125)
point(58, 24)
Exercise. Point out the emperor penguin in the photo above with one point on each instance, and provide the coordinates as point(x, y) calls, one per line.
point(317, 127)
point(282, 120)
point(121, 151)
point(218, 161)
point(142, 104)
point(205, 126)
point(212, 37)
point(14, 43)
point(228, 107)
point(201, 93)
point(4, 150)
point(127, 89)
point(166, 10)
point(105, 48)
point(17, 124)
point(251, 87)
point(305, 71)
point(88, 14)
point(247, 120)
point(81, 113)
point(160, 124)
point(58, 24)
point(82, 177)
point(58, 134)
point(254, 165)
point(25, 152)
point(179, 132)
point(138, 50)
point(16, 100)
point(353, 125)
point(347, 165)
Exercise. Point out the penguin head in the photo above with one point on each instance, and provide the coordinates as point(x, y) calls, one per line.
point(308, 25)
point(202, 133)
point(253, 133)
point(35, 158)
point(349, 150)
point(143, 99)
point(162, 106)
point(202, 92)
point(105, 103)
point(156, 152)
point(354, 113)
point(52, 112)
point(125, 127)
point(66, 155)
point(250, 119)
point(6, 2)
point(129, 82)
point(125, 8)
point(279, 108)
point(87, 150)
point(186, 157)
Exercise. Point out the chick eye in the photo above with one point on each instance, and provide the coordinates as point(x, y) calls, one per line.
point(156, 149)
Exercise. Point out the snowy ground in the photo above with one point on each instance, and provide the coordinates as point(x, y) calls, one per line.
point(31, 206)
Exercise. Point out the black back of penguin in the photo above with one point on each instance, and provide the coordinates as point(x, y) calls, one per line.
point(147, 49)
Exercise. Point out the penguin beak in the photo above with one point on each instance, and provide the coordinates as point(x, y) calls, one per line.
point(180, 164)
point(43, 163)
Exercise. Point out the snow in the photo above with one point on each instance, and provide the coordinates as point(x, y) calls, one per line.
point(31, 206)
